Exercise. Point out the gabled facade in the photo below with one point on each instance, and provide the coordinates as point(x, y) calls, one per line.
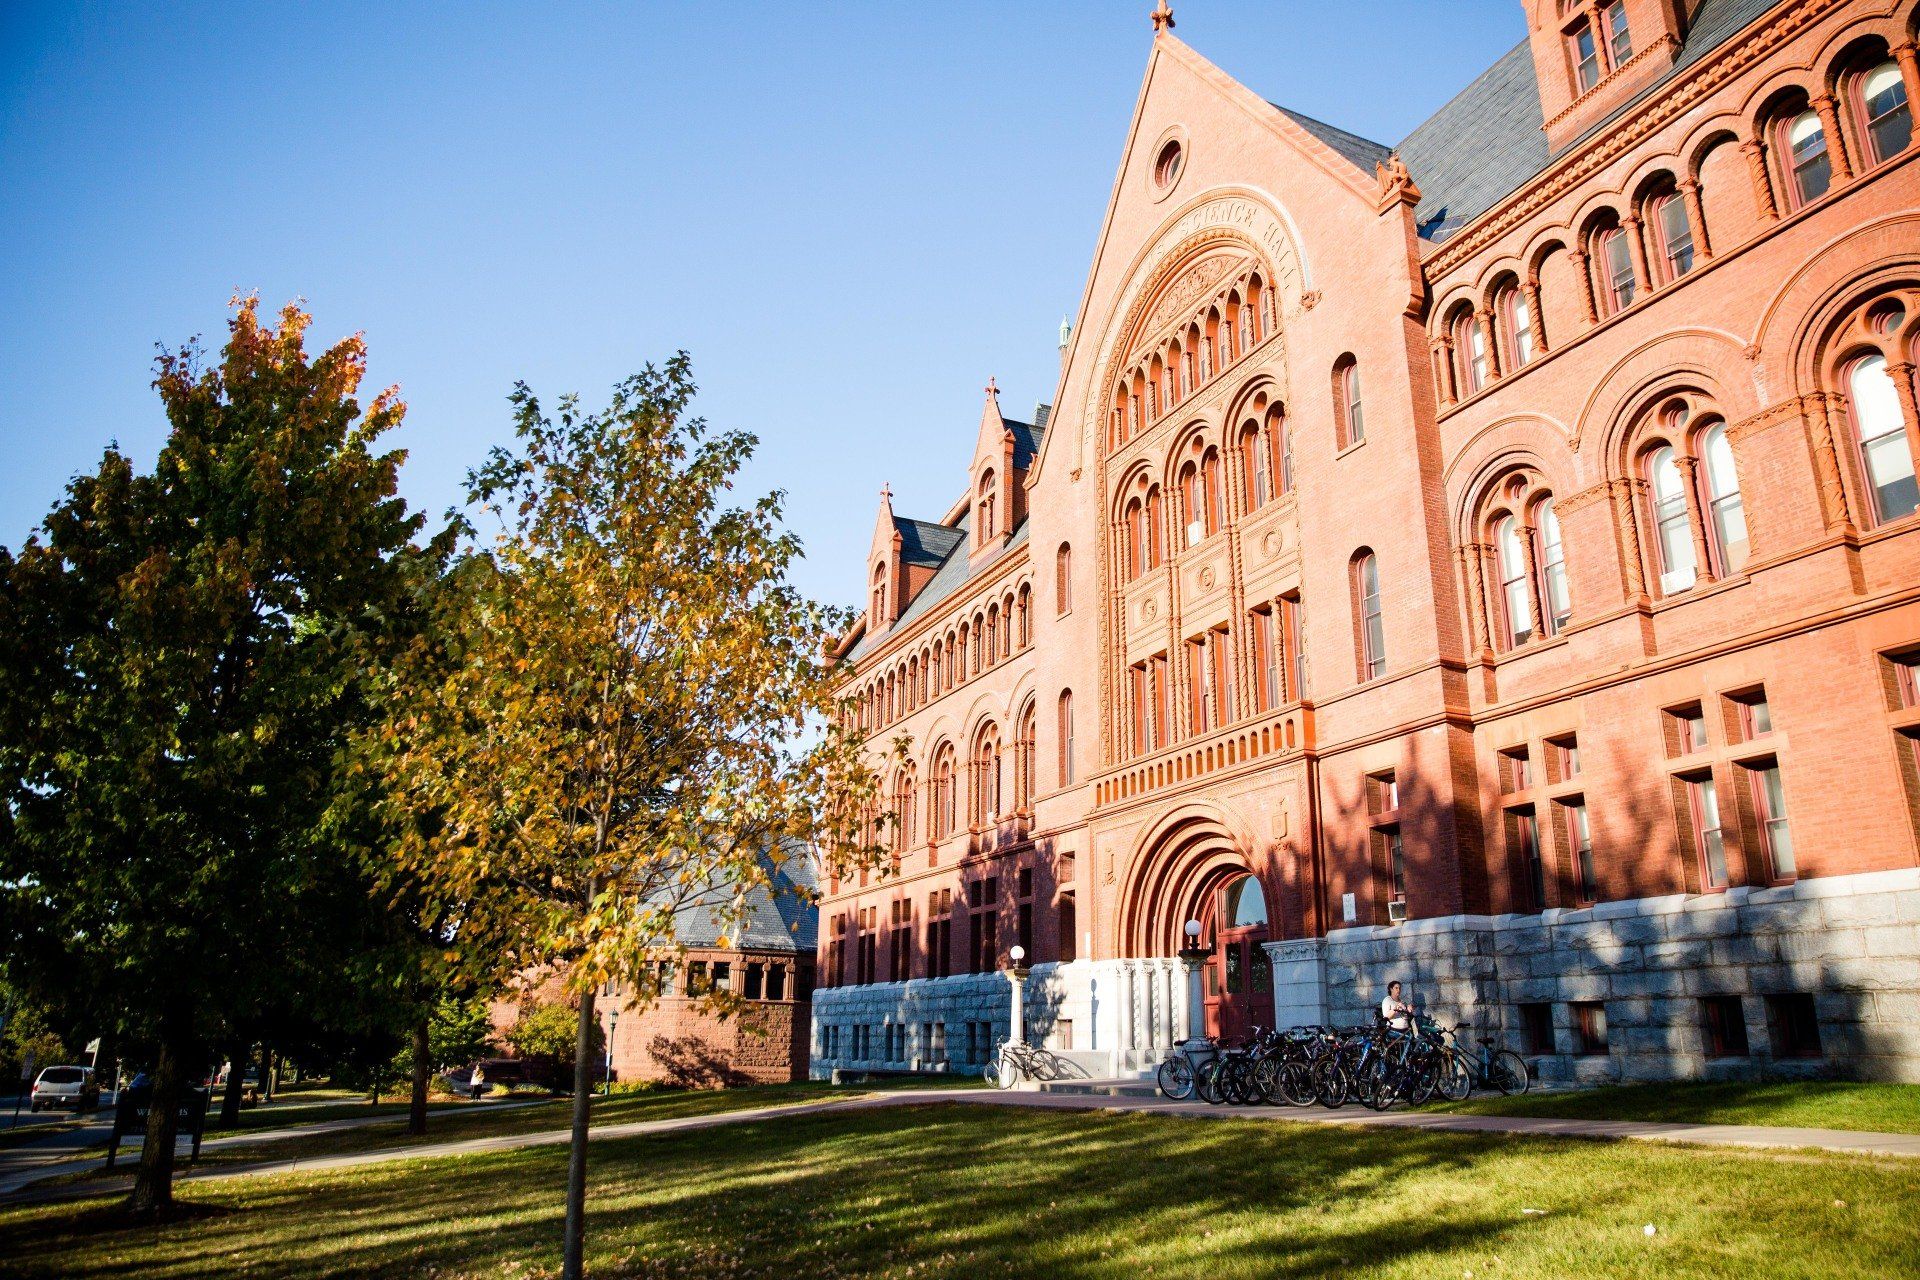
point(1490, 561)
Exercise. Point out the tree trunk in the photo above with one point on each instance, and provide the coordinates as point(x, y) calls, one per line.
point(152, 1195)
point(422, 1070)
point(572, 1267)
point(236, 1083)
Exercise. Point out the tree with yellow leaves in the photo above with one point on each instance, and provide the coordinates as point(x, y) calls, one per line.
point(629, 712)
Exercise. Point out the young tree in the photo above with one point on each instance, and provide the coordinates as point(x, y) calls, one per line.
point(179, 655)
point(638, 710)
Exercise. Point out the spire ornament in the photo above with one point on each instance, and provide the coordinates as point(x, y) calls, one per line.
point(1162, 18)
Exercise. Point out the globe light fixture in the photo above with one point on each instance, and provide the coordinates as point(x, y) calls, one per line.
point(1193, 932)
point(1017, 954)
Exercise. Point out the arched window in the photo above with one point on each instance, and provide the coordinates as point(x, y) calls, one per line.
point(937, 655)
point(1349, 423)
point(1881, 110)
point(1666, 217)
point(1879, 430)
point(1063, 574)
point(942, 812)
point(1246, 904)
point(1280, 447)
point(903, 815)
point(1134, 534)
point(1254, 482)
point(985, 508)
point(1673, 530)
point(1613, 269)
point(1154, 534)
point(1556, 605)
point(879, 616)
point(1064, 766)
point(1469, 352)
point(1511, 306)
point(1023, 779)
point(1215, 491)
point(1726, 513)
point(1516, 586)
point(1025, 608)
point(1372, 646)
point(986, 776)
point(1801, 142)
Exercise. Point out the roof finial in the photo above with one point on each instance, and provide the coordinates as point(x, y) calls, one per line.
point(1066, 332)
point(1162, 18)
point(886, 492)
point(993, 388)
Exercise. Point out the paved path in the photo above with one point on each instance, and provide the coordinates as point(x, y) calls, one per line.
point(1834, 1140)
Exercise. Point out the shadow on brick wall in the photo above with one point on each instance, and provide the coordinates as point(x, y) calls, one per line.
point(691, 1062)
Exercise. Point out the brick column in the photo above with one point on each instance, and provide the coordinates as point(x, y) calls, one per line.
point(1532, 291)
point(1756, 153)
point(1579, 257)
point(1903, 54)
point(1696, 516)
point(1443, 369)
point(1696, 218)
point(1834, 506)
point(1829, 113)
point(1627, 526)
point(1631, 227)
point(1484, 317)
point(1536, 610)
point(1470, 584)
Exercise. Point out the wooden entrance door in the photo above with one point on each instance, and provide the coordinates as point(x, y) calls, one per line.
point(1238, 984)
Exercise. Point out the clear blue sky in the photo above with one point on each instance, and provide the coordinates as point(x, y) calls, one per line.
point(849, 213)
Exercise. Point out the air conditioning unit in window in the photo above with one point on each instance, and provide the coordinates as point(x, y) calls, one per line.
point(1195, 531)
point(1397, 910)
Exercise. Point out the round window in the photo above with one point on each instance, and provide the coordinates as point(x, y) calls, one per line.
point(1166, 166)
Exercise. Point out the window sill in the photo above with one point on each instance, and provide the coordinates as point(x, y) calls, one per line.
point(1344, 450)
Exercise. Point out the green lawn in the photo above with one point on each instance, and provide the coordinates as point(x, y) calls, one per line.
point(963, 1191)
point(1819, 1104)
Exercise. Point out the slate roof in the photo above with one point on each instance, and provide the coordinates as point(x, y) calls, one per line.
point(1026, 439)
point(952, 574)
point(783, 918)
point(1364, 153)
point(1490, 139)
point(923, 542)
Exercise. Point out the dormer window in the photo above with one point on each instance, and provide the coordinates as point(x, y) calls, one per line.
point(879, 594)
point(984, 510)
point(1597, 53)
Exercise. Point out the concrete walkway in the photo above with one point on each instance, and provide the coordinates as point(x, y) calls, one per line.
point(1832, 1140)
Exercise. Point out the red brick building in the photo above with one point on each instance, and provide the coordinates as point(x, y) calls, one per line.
point(1489, 561)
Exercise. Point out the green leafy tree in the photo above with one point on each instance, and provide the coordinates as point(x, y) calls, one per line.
point(637, 707)
point(180, 655)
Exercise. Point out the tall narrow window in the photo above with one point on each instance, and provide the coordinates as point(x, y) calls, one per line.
point(1556, 606)
point(1673, 533)
point(1065, 763)
point(1266, 661)
point(1516, 595)
point(1513, 307)
point(1619, 39)
point(1346, 402)
point(1708, 836)
point(986, 508)
point(1526, 833)
point(1469, 353)
point(1727, 512)
point(1063, 578)
point(1580, 841)
point(986, 777)
point(1881, 433)
point(1280, 446)
point(1809, 168)
point(1373, 639)
point(1770, 804)
point(1215, 505)
point(1585, 52)
point(1193, 502)
point(1886, 117)
point(1615, 262)
point(1154, 534)
point(1023, 777)
point(1669, 219)
point(1254, 480)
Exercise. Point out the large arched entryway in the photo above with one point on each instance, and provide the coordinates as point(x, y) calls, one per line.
point(1238, 986)
point(1193, 866)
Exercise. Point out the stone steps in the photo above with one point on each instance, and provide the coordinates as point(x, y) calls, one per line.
point(1124, 1087)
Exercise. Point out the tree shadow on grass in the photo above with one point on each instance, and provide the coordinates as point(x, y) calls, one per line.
point(944, 1190)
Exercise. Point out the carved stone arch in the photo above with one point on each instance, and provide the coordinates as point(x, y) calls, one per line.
point(986, 708)
point(1707, 135)
point(1175, 861)
point(1794, 322)
point(1450, 303)
point(1494, 275)
point(1242, 401)
point(1228, 219)
point(1594, 210)
point(1198, 432)
point(1649, 175)
point(1544, 244)
point(1841, 53)
point(1713, 361)
point(1786, 81)
point(1499, 449)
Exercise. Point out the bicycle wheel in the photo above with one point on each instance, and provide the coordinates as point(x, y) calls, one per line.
point(1175, 1078)
point(1266, 1080)
point(1509, 1072)
point(1296, 1084)
point(1331, 1084)
point(1456, 1078)
point(990, 1074)
point(1206, 1082)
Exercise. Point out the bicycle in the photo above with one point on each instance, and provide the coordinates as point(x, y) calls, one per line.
point(1488, 1068)
point(1010, 1061)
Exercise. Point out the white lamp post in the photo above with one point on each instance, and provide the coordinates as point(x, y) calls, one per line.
point(1017, 979)
point(1193, 956)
